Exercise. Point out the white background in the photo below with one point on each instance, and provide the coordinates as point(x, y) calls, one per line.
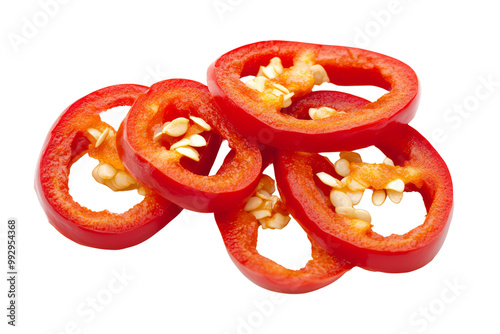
point(181, 280)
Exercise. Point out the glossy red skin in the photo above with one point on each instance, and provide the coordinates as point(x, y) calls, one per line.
point(252, 117)
point(239, 231)
point(395, 253)
point(65, 144)
point(148, 163)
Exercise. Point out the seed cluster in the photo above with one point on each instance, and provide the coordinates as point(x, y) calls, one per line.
point(105, 173)
point(266, 207)
point(348, 192)
point(179, 127)
point(118, 179)
point(263, 80)
point(115, 179)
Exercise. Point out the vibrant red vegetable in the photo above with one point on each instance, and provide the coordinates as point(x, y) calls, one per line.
point(417, 164)
point(239, 230)
point(162, 169)
point(169, 140)
point(259, 114)
point(68, 140)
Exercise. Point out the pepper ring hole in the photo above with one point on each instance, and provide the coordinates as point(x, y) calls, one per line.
point(114, 116)
point(370, 93)
point(95, 196)
point(388, 218)
point(289, 246)
point(221, 154)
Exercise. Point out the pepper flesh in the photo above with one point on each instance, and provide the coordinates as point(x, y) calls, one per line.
point(239, 230)
point(363, 247)
point(69, 140)
point(163, 170)
point(252, 112)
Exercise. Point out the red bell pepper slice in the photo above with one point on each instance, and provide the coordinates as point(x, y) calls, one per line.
point(239, 230)
point(162, 169)
point(258, 114)
point(417, 162)
point(68, 140)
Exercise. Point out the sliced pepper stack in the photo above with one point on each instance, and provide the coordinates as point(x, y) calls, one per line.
point(262, 99)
